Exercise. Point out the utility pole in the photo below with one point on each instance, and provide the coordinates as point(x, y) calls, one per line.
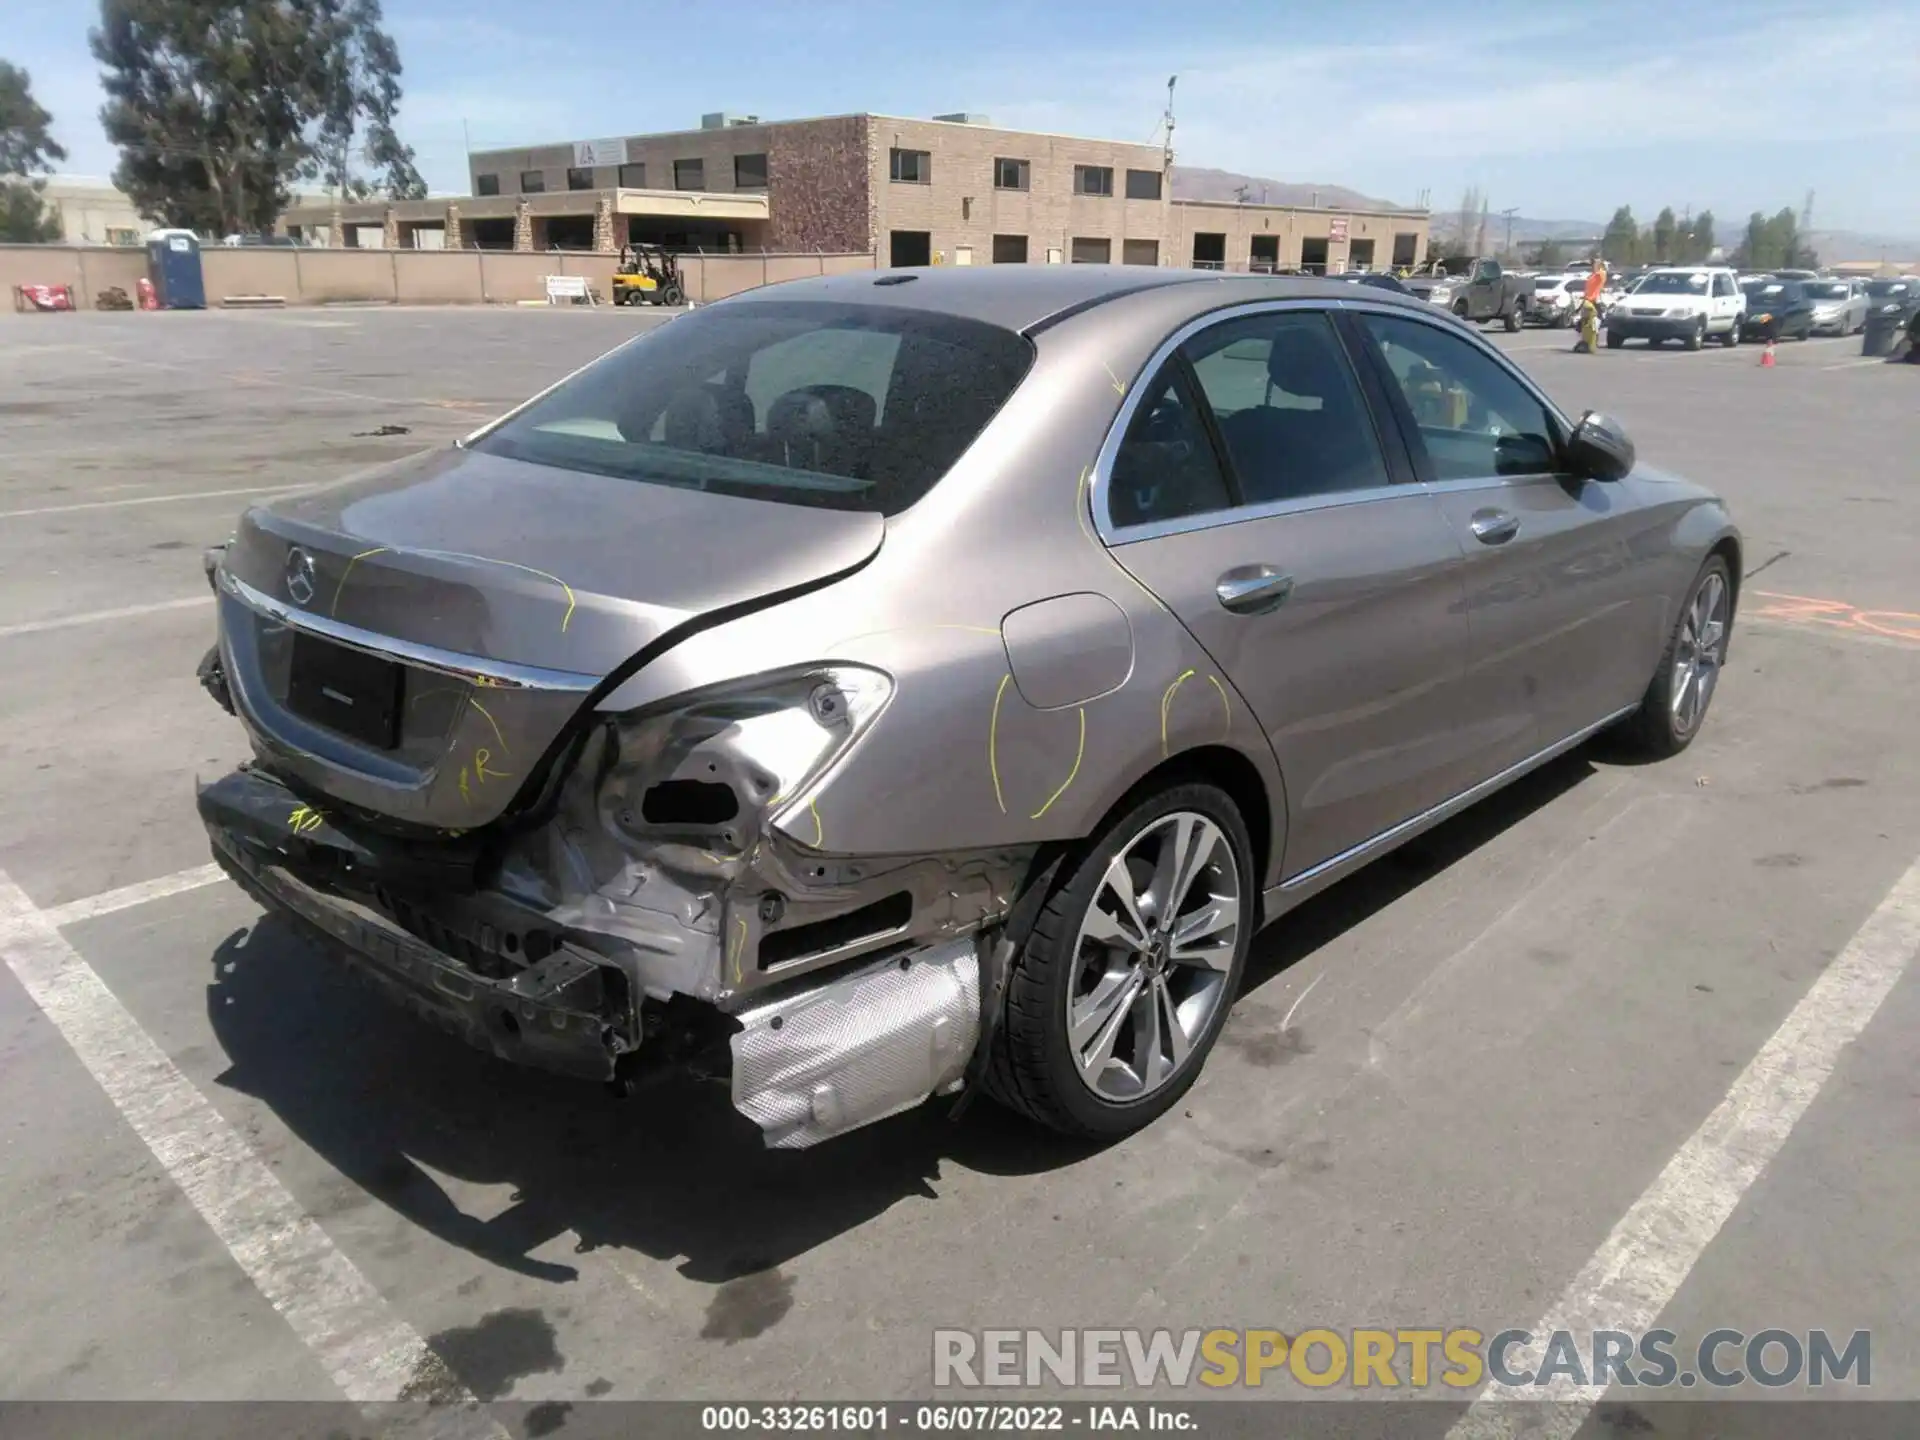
point(1510, 212)
point(1166, 147)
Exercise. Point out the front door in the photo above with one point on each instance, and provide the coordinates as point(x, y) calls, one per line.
point(1560, 610)
point(1252, 495)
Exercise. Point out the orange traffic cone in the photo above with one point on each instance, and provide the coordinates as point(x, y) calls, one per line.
point(1766, 357)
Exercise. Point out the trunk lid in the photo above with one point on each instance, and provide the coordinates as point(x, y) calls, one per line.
point(503, 593)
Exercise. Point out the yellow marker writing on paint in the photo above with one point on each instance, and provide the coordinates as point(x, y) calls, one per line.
point(480, 772)
point(304, 818)
point(993, 742)
point(465, 794)
point(1078, 755)
point(1225, 705)
point(1166, 705)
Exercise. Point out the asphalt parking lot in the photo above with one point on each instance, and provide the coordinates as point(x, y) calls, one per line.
point(1452, 1084)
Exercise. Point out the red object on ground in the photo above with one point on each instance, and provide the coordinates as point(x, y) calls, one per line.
point(42, 297)
point(1766, 357)
point(143, 287)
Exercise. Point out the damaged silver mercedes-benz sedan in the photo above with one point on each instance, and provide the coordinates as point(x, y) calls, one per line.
point(894, 684)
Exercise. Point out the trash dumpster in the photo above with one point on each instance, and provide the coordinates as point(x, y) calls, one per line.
point(1883, 327)
point(174, 258)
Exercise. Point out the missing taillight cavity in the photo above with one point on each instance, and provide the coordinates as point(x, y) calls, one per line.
point(689, 802)
point(880, 918)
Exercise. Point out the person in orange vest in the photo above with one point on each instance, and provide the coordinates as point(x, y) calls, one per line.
point(1590, 308)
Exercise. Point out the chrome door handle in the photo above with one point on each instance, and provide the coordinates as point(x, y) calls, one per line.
point(1253, 589)
point(1494, 527)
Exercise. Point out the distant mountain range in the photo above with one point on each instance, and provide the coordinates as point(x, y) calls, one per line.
point(1197, 182)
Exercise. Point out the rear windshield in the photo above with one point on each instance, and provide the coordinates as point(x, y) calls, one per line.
point(1880, 289)
point(1770, 289)
point(844, 407)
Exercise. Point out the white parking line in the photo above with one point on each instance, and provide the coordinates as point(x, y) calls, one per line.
point(148, 500)
point(1640, 1267)
point(94, 617)
point(372, 1354)
point(127, 896)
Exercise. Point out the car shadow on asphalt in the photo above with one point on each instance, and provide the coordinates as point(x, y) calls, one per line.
point(676, 1172)
point(1334, 911)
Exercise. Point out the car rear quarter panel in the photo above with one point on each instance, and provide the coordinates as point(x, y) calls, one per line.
point(962, 757)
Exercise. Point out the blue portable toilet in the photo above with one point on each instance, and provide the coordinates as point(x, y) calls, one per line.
point(174, 258)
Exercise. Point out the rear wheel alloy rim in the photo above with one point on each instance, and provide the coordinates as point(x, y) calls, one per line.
point(1696, 660)
point(1151, 960)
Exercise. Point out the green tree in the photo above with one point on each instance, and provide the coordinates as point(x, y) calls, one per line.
point(363, 94)
point(218, 105)
point(1620, 245)
point(1783, 238)
point(27, 150)
point(1752, 252)
point(1547, 255)
point(1666, 230)
point(1700, 240)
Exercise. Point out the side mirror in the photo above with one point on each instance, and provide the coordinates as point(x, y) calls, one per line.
point(1600, 449)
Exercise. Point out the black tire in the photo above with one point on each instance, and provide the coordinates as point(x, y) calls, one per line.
point(1653, 730)
point(1732, 337)
point(1032, 1067)
point(670, 295)
point(1615, 339)
point(1516, 317)
point(1460, 308)
point(1697, 336)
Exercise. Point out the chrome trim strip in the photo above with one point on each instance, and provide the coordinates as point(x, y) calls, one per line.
point(1214, 519)
point(426, 657)
point(1459, 802)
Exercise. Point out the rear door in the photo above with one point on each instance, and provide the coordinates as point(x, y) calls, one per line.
point(1252, 491)
point(1560, 609)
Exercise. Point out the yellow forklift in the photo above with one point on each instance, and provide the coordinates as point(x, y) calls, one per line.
point(647, 275)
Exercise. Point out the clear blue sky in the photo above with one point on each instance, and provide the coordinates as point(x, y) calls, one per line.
point(1562, 109)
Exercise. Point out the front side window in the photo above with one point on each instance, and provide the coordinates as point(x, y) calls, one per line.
point(844, 407)
point(1475, 419)
point(1288, 405)
point(1166, 467)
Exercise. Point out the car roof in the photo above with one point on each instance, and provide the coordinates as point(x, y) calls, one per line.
point(1028, 297)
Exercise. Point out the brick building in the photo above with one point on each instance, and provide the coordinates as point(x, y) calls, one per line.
point(951, 190)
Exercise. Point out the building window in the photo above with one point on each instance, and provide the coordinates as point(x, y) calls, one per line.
point(910, 167)
point(533, 182)
point(1011, 174)
point(1092, 250)
point(689, 174)
point(122, 237)
point(1209, 251)
point(1143, 184)
point(1093, 180)
point(1406, 249)
point(1009, 249)
point(633, 177)
point(1140, 252)
point(579, 177)
point(750, 172)
point(486, 184)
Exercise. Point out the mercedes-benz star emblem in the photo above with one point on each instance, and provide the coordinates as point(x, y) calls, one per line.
point(299, 576)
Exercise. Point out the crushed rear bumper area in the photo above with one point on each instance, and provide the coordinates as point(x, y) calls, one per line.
point(827, 1053)
point(553, 1014)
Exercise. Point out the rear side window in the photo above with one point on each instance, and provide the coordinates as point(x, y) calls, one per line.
point(1288, 406)
point(844, 407)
